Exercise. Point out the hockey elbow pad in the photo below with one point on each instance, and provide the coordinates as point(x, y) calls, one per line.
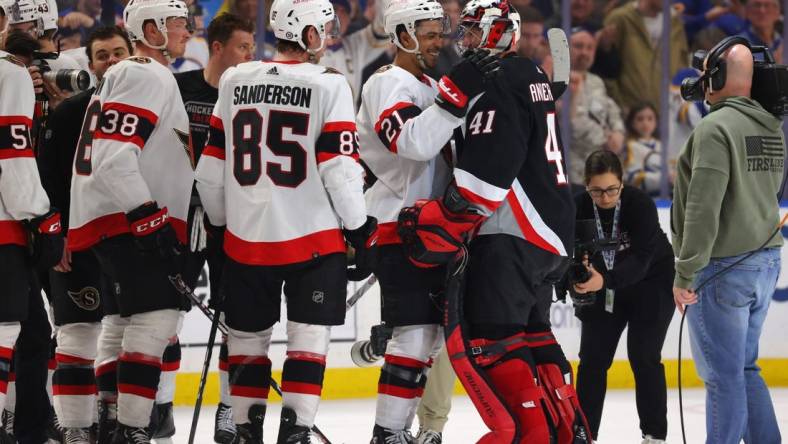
point(364, 241)
point(46, 243)
point(432, 234)
point(153, 232)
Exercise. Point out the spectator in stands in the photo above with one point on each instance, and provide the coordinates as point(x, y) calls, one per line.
point(596, 119)
point(582, 13)
point(633, 32)
point(84, 17)
point(642, 158)
point(350, 54)
point(699, 14)
point(762, 18)
point(449, 55)
point(532, 42)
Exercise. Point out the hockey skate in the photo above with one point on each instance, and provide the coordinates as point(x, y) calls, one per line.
point(162, 424)
point(7, 435)
point(289, 432)
point(75, 435)
point(389, 436)
point(130, 435)
point(224, 427)
point(108, 421)
point(427, 436)
point(252, 432)
point(649, 440)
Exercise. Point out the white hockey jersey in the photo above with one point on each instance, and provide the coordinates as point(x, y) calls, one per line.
point(280, 167)
point(401, 134)
point(21, 194)
point(134, 149)
point(356, 52)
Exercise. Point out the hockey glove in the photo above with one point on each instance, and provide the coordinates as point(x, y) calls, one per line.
point(153, 233)
point(46, 243)
point(432, 234)
point(466, 80)
point(364, 241)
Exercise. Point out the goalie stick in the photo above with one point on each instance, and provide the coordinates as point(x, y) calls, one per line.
point(217, 324)
point(559, 50)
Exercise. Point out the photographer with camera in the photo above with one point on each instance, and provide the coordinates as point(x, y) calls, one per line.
point(725, 223)
point(627, 286)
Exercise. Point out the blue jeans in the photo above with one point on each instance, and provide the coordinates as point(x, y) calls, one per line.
point(725, 326)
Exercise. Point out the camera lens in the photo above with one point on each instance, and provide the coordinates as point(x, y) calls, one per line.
point(73, 80)
point(691, 89)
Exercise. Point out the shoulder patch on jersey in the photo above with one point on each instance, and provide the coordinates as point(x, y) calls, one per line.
point(138, 59)
point(14, 60)
point(331, 71)
point(384, 68)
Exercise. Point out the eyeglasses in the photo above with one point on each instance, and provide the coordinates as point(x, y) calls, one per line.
point(610, 191)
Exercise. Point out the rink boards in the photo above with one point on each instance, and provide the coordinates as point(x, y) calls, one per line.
point(344, 380)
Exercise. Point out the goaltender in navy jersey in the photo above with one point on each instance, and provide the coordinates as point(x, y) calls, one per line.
point(21, 194)
point(400, 150)
point(281, 165)
point(511, 162)
point(134, 149)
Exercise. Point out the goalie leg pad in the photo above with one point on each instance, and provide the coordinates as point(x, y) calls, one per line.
point(555, 374)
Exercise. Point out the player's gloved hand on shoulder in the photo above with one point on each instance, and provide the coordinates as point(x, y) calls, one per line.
point(466, 80)
point(46, 239)
point(364, 241)
point(153, 232)
point(433, 234)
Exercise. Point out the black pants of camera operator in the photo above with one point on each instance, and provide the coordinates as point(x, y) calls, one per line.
point(646, 309)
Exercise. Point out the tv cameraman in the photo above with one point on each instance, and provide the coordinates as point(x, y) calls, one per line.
point(632, 288)
point(735, 156)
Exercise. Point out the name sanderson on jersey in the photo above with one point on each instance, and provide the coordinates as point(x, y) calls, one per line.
point(272, 94)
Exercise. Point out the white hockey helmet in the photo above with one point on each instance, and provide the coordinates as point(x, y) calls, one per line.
point(290, 18)
point(5, 8)
point(49, 15)
point(409, 13)
point(137, 12)
point(497, 20)
point(24, 11)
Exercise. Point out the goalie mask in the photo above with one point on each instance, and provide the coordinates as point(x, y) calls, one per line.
point(290, 19)
point(137, 12)
point(489, 24)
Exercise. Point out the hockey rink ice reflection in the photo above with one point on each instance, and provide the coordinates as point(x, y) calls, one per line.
point(350, 421)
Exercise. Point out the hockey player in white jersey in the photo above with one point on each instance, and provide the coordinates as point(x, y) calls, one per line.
point(402, 133)
point(280, 170)
point(129, 199)
point(27, 224)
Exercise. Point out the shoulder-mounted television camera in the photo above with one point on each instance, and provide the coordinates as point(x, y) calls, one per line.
point(769, 80)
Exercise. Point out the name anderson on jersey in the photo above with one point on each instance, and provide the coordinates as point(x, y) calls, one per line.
point(272, 94)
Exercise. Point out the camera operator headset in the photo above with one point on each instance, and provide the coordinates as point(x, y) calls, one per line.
point(749, 146)
point(632, 284)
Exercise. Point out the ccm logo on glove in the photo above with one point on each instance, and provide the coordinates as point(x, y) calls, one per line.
point(151, 223)
point(50, 225)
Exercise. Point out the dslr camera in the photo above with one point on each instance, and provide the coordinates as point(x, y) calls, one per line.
point(587, 245)
point(72, 80)
point(769, 80)
point(367, 353)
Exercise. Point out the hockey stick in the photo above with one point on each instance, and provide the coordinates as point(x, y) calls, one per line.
point(204, 375)
point(559, 50)
point(216, 324)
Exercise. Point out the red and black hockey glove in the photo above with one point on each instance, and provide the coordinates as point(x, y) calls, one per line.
point(364, 241)
point(432, 234)
point(466, 80)
point(46, 243)
point(153, 232)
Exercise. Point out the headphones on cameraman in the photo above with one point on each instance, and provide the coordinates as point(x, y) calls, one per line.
point(714, 73)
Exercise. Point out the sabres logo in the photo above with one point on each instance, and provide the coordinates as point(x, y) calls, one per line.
point(87, 298)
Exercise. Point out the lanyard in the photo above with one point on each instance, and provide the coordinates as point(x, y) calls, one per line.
point(608, 256)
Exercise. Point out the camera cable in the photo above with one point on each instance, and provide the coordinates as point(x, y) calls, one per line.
point(697, 290)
